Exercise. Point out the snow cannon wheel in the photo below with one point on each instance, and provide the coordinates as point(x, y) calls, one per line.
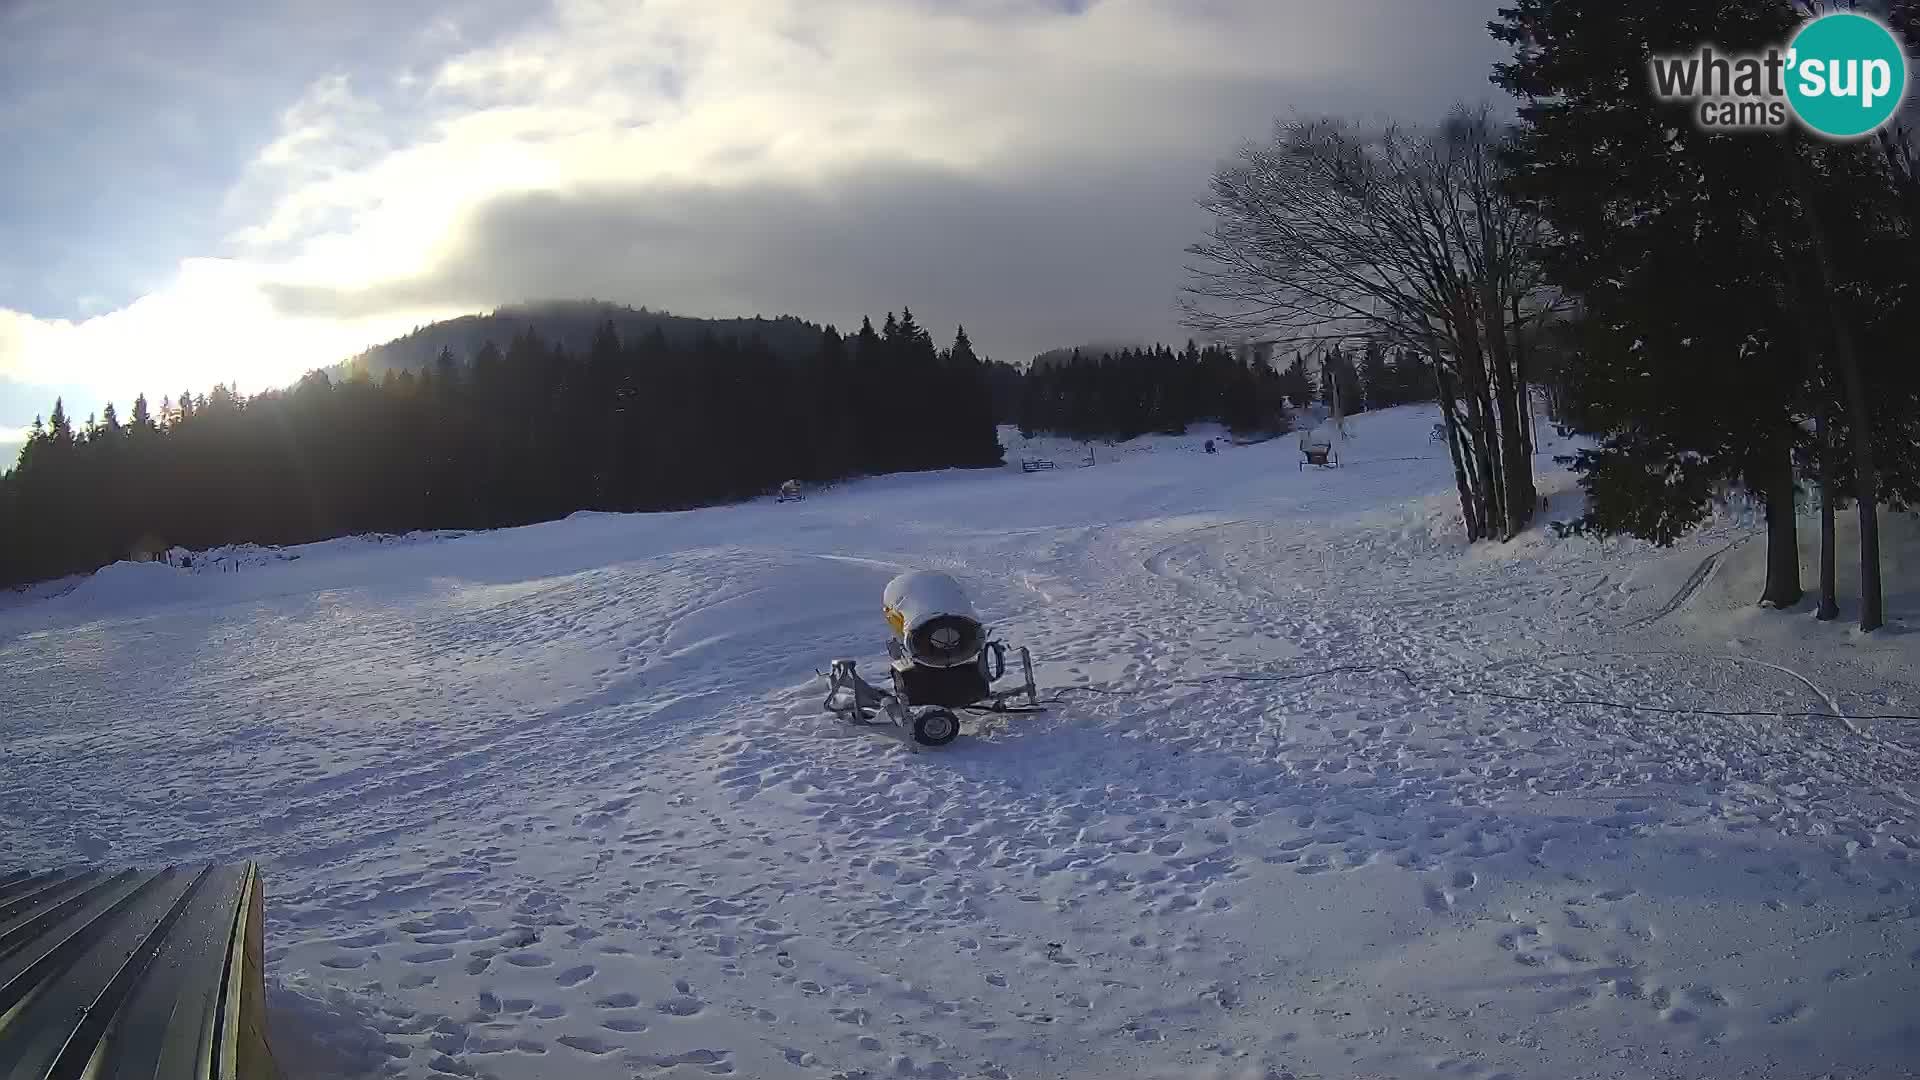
point(935, 727)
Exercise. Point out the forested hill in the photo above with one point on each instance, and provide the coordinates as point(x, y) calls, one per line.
point(517, 432)
point(571, 325)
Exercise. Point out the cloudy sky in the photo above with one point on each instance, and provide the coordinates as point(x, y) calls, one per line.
point(239, 190)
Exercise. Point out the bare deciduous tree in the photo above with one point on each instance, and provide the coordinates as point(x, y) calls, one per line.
point(1329, 232)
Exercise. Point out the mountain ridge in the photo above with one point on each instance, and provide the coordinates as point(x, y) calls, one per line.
point(570, 324)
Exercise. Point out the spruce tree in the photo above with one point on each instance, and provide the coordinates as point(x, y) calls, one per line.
point(59, 427)
point(1669, 235)
point(1376, 381)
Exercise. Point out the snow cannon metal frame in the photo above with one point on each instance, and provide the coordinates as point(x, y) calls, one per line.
point(942, 658)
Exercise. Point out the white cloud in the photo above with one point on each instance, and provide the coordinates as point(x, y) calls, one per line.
point(212, 323)
point(11, 440)
point(382, 182)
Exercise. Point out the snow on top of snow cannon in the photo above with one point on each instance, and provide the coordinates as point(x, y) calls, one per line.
point(933, 619)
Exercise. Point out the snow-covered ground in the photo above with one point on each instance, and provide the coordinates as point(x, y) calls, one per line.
point(559, 801)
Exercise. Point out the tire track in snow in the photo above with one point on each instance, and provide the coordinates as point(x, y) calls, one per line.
point(1693, 584)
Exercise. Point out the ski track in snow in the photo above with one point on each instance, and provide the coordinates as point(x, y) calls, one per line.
point(560, 801)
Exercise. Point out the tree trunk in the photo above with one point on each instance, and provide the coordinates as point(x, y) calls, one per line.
point(1829, 605)
point(1860, 412)
point(1783, 539)
point(1492, 462)
point(1479, 464)
point(1480, 422)
point(1516, 464)
point(1520, 376)
point(1443, 386)
point(1866, 480)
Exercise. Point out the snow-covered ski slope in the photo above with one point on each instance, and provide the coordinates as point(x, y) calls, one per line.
point(559, 801)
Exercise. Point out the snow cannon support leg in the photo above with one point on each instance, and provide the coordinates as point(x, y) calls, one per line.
point(858, 702)
point(1026, 669)
point(851, 697)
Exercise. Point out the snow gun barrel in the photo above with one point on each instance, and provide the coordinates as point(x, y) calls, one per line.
point(933, 620)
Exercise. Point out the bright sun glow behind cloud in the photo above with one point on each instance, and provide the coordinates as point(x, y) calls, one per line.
point(212, 324)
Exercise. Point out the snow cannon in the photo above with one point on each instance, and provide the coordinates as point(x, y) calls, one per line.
point(942, 658)
point(932, 619)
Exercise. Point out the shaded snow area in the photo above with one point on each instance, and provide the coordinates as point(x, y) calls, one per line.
point(560, 801)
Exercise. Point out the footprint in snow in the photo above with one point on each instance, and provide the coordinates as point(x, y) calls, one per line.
point(712, 1061)
point(1705, 995)
point(1792, 1011)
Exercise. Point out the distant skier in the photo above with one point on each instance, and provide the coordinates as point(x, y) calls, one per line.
point(1210, 448)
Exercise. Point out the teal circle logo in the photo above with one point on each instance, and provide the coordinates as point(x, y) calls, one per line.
point(1847, 74)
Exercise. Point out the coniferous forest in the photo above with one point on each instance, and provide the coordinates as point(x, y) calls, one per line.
point(1743, 305)
point(507, 436)
point(661, 418)
point(1134, 392)
point(1130, 392)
